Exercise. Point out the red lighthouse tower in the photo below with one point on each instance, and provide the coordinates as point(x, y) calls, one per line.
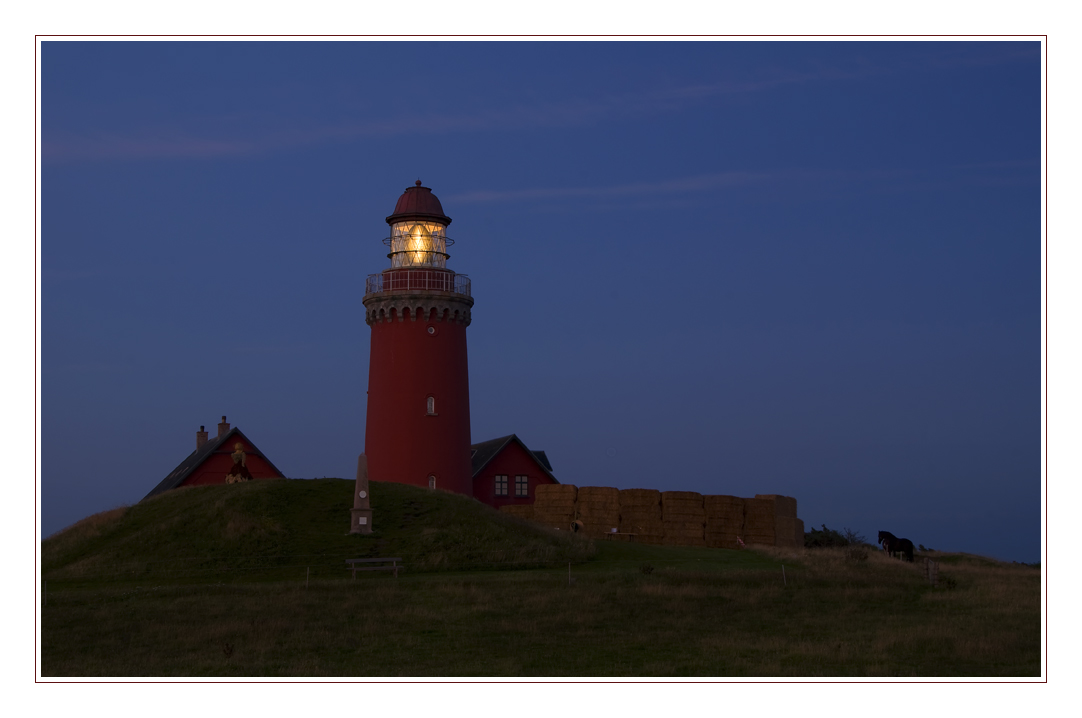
point(418, 425)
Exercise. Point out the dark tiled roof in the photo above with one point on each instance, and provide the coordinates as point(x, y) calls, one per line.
point(543, 459)
point(197, 457)
point(485, 451)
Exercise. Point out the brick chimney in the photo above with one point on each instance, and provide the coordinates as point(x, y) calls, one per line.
point(200, 438)
point(223, 428)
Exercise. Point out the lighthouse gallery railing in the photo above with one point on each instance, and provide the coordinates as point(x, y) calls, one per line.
point(407, 279)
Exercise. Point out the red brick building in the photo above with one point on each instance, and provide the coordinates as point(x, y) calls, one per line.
point(506, 472)
point(231, 453)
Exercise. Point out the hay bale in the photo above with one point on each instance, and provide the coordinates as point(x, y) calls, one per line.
point(557, 520)
point(783, 505)
point(798, 530)
point(683, 525)
point(553, 501)
point(643, 528)
point(598, 524)
point(724, 519)
point(759, 521)
point(639, 498)
point(682, 506)
point(758, 507)
point(558, 508)
point(721, 503)
point(552, 491)
point(598, 494)
point(784, 532)
point(681, 495)
point(654, 511)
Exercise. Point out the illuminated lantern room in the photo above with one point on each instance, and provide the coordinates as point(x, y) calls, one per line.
point(418, 231)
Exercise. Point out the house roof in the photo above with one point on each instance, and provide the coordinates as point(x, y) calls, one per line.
point(486, 451)
point(197, 457)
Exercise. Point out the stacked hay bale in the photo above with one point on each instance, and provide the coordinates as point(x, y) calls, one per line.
point(640, 514)
point(785, 520)
point(759, 521)
point(598, 508)
point(683, 518)
point(554, 505)
point(523, 511)
point(724, 521)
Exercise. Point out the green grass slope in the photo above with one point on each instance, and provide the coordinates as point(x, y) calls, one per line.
point(273, 529)
point(214, 581)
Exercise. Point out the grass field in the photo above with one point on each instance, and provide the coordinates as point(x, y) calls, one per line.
point(120, 603)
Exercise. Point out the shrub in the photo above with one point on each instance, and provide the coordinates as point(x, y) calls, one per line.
point(826, 538)
point(853, 538)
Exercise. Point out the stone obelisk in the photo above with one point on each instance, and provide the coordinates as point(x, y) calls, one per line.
point(361, 513)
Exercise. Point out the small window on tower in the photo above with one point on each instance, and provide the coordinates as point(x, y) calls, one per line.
point(522, 485)
point(501, 484)
point(430, 405)
point(431, 482)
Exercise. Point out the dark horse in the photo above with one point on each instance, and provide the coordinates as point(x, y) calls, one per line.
point(892, 545)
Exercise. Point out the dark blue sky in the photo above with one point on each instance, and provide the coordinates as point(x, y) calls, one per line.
point(808, 268)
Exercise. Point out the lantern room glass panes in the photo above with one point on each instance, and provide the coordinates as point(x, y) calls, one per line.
point(418, 244)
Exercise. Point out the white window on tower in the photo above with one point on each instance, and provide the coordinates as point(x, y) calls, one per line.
point(522, 485)
point(431, 482)
point(430, 405)
point(501, 484)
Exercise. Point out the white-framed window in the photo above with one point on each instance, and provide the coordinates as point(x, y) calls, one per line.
point(431, 482)
point(522, 485)
point(501, 484)
point(430, 405)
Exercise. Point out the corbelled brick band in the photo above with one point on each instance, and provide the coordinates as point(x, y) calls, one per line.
point(430, 306)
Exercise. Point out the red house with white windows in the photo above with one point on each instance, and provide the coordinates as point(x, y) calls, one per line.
point(230, 455)
point(506, 472)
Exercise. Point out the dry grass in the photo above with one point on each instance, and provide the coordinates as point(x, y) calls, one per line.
point(226, 597)
point(704, 613)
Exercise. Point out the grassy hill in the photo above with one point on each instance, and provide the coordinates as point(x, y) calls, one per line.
point(272, 529)
point(249, 580)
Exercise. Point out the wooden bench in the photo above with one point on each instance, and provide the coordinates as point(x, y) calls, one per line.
point(388, 564)
point(618, 536)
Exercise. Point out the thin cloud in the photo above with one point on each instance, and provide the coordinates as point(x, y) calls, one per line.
point(73, 147)
point(683, 185)
point(686, 184)
point(174, 143)
point(892, 180)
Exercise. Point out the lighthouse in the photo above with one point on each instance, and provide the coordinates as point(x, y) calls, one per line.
point(418, 422)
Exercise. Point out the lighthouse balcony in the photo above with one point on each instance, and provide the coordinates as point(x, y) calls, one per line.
point(403, 280)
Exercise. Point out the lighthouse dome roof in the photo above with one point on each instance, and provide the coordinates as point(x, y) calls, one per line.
point(418, 202)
